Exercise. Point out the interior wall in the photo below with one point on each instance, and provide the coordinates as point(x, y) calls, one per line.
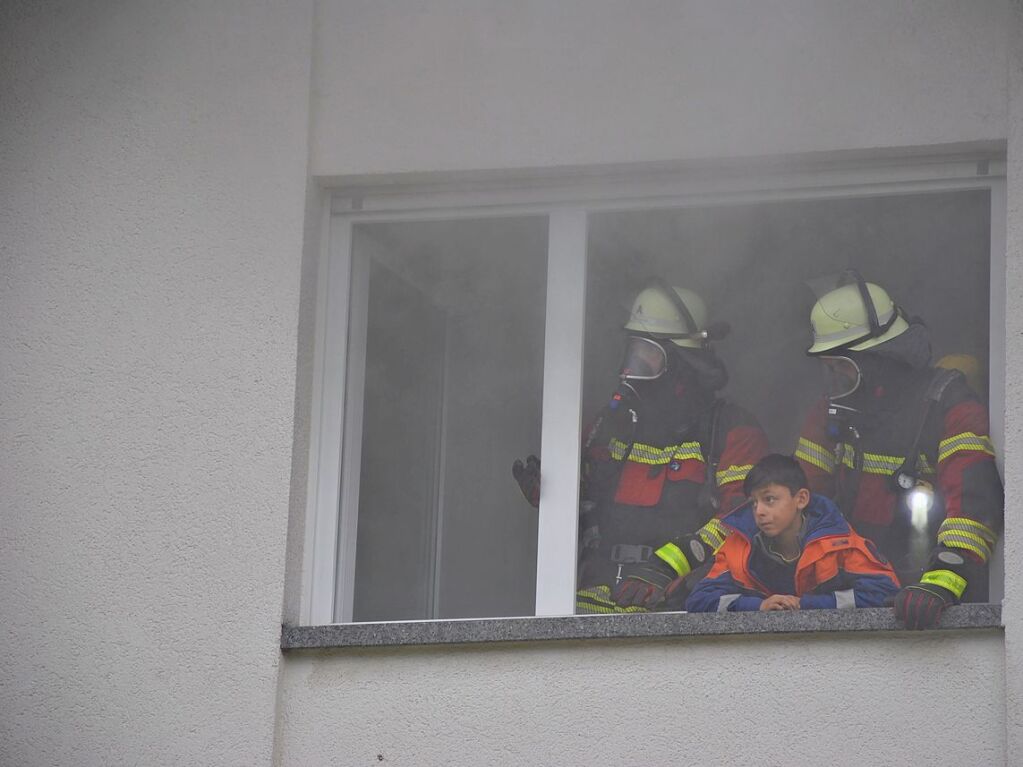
point(487, 278)
point(403, 86)
point(153, 164)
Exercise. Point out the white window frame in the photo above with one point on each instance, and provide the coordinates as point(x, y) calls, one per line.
point(567, 199)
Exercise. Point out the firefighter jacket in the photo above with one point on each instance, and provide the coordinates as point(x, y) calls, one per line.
point(954, 455)
point(642, 491)
point(837, 568)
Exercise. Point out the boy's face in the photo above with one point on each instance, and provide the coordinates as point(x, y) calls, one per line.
point(776, 510)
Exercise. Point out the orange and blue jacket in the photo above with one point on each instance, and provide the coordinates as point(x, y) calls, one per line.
point(837, 568)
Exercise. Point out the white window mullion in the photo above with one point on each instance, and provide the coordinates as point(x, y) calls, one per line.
point(996, 365)
point(327, 422)
point(557, 532)
point(351, 442)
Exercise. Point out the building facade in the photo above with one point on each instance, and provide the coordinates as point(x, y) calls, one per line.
point(171, 175)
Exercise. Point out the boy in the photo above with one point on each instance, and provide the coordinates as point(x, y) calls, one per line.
point(790, 550)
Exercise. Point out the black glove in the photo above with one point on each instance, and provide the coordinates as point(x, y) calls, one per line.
point(920, 606)
point(528, 476)
point(645, 585)
point(655, 581)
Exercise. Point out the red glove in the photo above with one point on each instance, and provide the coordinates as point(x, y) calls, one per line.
point(920, 606)
point(646, 585)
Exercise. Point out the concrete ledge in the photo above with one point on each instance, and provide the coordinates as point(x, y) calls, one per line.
point(620, 627)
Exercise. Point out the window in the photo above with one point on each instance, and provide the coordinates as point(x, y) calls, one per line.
point(468, 324)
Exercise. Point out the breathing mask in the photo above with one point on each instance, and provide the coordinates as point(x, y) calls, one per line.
point(644, 360)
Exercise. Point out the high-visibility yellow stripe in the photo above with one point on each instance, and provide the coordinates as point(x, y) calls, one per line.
point(969, 534)
point(618, 449)
point(966, 441)
point(970, 526)
point(946, 579)
point(733, 474)
point(879, 463)
point(954, 539)
point(873, 463)
point(713, 534)
point(598, 600)
point(676, 560)
point(924, 465)
point(815, 455)
point(655, 456)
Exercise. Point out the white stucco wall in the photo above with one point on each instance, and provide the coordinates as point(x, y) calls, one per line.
point(468, 84)
point(152, 176)
point(764, 701)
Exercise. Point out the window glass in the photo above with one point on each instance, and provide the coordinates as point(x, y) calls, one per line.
point(449, 360)
point(759, 268)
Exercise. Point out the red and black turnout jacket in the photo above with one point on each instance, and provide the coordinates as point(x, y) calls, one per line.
point(955, 455)
point(641, 494)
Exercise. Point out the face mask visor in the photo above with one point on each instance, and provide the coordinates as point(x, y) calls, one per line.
point(644, 360)
point(842, 375)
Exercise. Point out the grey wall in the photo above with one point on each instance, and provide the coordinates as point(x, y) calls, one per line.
point(487, 278)
point(152, 180)
point(460, 84)
point(784, 701)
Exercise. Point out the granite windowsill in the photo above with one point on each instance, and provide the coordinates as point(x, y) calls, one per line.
point(470, 631)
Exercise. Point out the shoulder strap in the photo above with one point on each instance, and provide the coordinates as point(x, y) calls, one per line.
point(939, 383)
point(708, 435)
point(711, 448)
point(933, 394)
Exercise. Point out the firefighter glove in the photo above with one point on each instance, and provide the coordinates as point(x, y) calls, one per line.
point(528, 476)
point(920, 605)
point(646, 584)
point(651, 583)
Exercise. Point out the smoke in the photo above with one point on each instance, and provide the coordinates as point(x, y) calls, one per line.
point(454, 357)
point(754, 264)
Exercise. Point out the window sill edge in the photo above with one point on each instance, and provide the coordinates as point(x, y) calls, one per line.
point(619, 626)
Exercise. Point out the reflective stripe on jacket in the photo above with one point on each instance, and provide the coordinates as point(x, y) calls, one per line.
point(955, 455)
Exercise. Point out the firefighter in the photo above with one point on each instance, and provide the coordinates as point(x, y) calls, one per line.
point(661, 462)
point(897, 442)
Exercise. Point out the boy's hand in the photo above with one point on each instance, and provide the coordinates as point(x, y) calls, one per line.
point(780, 602)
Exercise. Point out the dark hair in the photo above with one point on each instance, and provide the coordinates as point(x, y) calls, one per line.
point(776, 469)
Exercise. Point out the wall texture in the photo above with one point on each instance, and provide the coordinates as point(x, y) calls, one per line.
point(460, 84)
point(764, 701)
point(152, 178)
